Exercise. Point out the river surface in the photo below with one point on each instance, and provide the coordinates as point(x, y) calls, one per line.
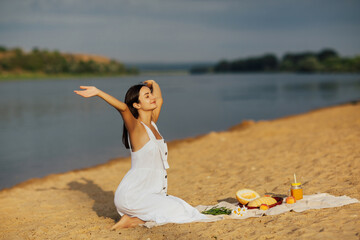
point(46, 128)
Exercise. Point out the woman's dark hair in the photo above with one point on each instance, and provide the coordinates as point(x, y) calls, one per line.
point(131, 97)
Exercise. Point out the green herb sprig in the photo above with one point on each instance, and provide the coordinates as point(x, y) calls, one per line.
point(217, 211)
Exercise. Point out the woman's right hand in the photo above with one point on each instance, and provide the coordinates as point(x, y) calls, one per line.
point(90, 91)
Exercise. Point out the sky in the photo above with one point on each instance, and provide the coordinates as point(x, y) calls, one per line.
point(171, 31)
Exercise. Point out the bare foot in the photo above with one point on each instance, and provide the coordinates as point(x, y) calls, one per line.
point(127, 222)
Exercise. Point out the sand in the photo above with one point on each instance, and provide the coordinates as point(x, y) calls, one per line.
point(322, 147)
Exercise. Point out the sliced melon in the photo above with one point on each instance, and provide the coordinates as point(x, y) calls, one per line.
point(264, 200)
point(246, 195)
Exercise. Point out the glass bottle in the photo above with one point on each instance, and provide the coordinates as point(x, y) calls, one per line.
point(296, 191)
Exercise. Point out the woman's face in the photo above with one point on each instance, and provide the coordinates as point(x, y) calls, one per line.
point(147, 100)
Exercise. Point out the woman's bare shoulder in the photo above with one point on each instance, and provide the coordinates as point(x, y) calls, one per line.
point(138, 136)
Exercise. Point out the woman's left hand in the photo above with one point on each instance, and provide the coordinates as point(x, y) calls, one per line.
point(149, 83)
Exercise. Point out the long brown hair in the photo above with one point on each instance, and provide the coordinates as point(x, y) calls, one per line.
point(131, 97)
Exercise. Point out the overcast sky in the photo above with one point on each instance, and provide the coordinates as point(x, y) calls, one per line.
point(181, 30)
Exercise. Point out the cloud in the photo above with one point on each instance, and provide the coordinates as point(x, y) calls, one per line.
point(180, 30)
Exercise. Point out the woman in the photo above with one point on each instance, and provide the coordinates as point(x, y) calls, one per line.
point(142, 194)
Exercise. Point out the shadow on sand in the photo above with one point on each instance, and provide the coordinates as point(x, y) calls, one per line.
point(229, 200)
point(104, 200)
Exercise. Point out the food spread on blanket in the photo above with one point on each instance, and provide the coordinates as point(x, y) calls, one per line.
point(250, 199)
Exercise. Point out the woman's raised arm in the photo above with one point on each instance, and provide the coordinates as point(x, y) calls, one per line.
point(91, 91)
point(156, 91)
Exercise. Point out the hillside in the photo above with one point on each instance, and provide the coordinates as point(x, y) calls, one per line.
point(17, 61)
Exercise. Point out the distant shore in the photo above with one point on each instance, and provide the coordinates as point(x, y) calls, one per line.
point(43, 76)
point(322, 147)
point(39, 76)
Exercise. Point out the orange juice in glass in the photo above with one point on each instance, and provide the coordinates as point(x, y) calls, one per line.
point(296, 191)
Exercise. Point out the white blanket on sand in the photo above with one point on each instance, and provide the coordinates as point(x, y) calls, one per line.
point(316, 201)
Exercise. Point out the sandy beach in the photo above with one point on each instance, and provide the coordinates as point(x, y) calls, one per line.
point(322, 147)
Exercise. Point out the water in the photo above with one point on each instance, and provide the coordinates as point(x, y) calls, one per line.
point(46, 128)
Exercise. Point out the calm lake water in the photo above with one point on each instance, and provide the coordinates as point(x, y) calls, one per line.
point(46, 128)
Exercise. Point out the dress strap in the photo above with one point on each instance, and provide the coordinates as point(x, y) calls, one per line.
point(153, 123)
point(149, 132)
point(162, 146)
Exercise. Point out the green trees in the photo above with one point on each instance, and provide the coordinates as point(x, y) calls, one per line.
point(53, 62)
point(267, 62)
point(326, 60)
point(2, 48)
point(323, 61)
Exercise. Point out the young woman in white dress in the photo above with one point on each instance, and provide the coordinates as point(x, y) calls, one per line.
point(142, 194)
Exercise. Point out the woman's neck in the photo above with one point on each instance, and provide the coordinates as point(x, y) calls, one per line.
point(145, 117)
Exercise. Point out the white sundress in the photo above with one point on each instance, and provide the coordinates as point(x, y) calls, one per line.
point(142, 192)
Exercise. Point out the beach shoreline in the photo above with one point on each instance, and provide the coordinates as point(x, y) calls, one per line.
point(171, 144)
point(321, 146)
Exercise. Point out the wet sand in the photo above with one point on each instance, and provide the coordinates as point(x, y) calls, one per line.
point(322, 147)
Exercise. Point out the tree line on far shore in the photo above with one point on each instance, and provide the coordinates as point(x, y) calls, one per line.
point(326, 60)
point(53, 62)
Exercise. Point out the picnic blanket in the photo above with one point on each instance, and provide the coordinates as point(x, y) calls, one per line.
point(315, 201)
